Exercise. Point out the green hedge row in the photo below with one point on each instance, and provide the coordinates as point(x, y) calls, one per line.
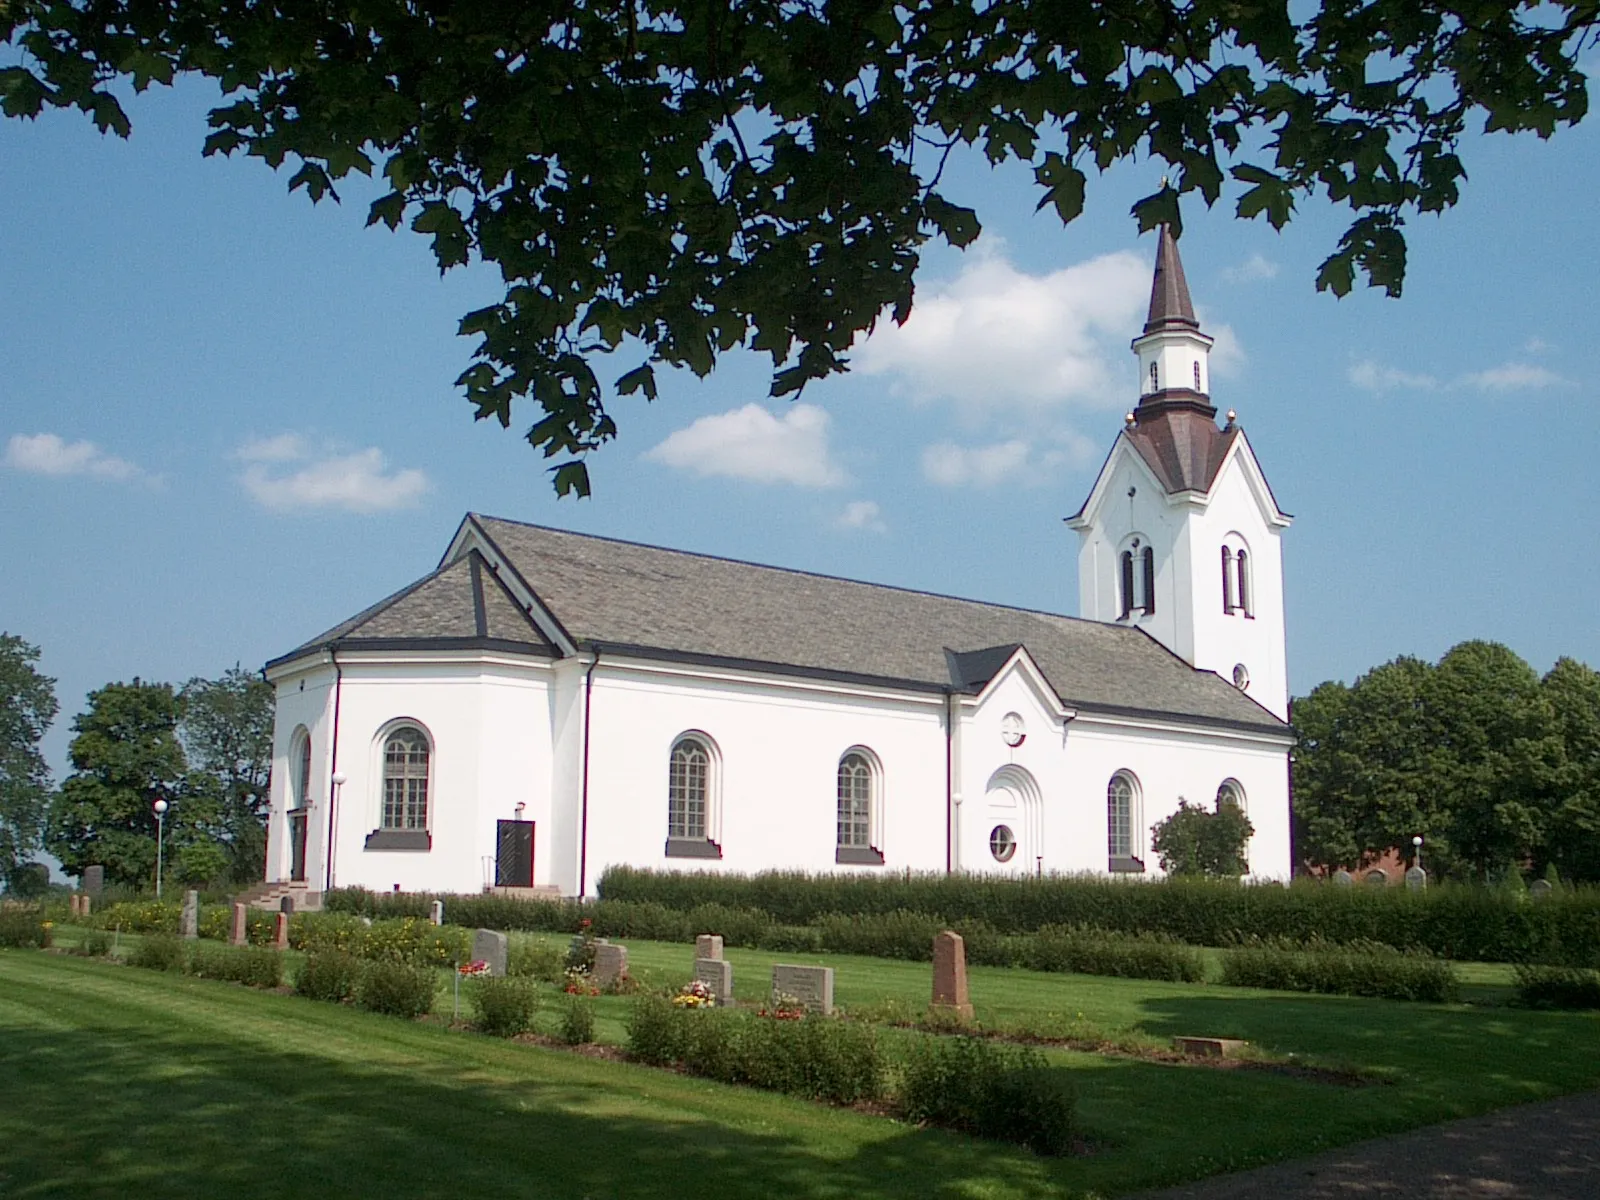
point(1354, 969)
point(1452, 921)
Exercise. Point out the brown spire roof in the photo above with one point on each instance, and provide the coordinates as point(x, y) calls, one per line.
point(1169, 291)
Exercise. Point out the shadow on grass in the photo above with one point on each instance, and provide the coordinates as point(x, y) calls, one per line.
point(115, 1101)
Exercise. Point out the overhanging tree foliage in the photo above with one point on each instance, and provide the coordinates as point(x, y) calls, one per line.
point(226, 731)
point(1204, 842)
point(27, 706)
point(676, 178)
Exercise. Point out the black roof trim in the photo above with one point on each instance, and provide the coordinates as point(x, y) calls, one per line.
point(500, 645)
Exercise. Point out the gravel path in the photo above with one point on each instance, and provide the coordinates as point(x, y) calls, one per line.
point(1545, 1151)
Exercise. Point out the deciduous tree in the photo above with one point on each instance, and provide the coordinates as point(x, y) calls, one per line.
point(1201, 841)
point(27, 706)
point(226, 731)
point(675, 178)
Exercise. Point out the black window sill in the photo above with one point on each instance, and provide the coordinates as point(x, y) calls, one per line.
point(863, 855)
point(1125, 866)
point(692, 848)
point(399, 839)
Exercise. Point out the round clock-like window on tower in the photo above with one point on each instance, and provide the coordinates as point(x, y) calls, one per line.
point(1241, 676)
point(1012, 730)
point(1002, 843)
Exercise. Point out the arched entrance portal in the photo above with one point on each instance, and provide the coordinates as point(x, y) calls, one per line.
point(1013, 828)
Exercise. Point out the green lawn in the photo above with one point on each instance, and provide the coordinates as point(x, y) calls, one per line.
point(115, 1081)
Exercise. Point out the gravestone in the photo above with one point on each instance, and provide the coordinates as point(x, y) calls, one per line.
point(1376, 877)
point(280, 931)
point(708, 945)
point(716, 974)
point(811, 986)
point(436, 913)
point(1540, 889)
point(86, 904)
point(949, 975)
point(286, 905)
point(1343, 878)
point(73, 906)
point(239, 935)
point(189, 923)
point(1209, 1047)
point(490, 946)
point(94, 880)
point(610, 964)
point(1416, 879)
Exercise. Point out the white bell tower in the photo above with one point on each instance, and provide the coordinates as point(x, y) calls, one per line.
point(1180, 535)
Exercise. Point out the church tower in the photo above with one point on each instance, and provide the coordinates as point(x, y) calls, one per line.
point(1180, 535)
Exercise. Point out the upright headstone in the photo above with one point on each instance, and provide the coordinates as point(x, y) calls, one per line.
point(189, 923)
point(280, 932)
point(1540, 889)
point(286, 905)
point(708, 945)
point(239, 934)
point(950, 975)
point(1376, 877)
point(94, 880)
point(1416, 879)
point(716, 974)
point(86, 904)
point(436, 914)
point(1343, 878)
point(489, 946)
point(811, 986)
point(610, 964)
point(72, 905)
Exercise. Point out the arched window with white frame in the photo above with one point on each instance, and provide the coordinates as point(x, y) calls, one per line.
point(1237, 596)
point(691, 796)
point(858, 808)
point(300, 769)
point(406, 789)
point(1124, 846)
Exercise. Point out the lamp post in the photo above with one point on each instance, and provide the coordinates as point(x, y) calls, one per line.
point(338, 782)
point(1416, 850)
point(160, 809)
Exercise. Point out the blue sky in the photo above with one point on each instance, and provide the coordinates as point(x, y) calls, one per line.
point(227, 417)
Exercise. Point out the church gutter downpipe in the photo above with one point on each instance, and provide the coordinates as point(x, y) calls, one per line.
point(950, 707)
point(583, 820)
point(333, 765)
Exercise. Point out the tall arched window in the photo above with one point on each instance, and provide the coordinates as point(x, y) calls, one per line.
point(1227, 580)
point(1124, 850)
point(1127, 582)
point(690, 785)
point(300, 772)
point(1155, 378)
point(1149, 559)
point(1241, 562)
point(857, 797)
point(405, 780)
point(1232, 794)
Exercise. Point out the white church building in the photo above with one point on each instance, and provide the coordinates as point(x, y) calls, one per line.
point(547, 704)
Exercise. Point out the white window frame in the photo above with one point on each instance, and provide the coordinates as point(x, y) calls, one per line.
point(707, 843)
point(1132, 860)
point(869, 852)
point(403, 837)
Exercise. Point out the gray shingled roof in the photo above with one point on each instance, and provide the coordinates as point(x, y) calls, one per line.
point(625, 595)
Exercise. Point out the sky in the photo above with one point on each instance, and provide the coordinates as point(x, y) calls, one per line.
point(228, 417)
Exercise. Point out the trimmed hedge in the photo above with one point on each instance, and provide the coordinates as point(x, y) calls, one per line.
point(1359, 969)
point(1094, 952)
point(1557, 987)
point(329, 975)
point(24, 927)
point(395, 988)
point(505, 1004)
point(991, 1090)
point(412, 940)
point(254, 966)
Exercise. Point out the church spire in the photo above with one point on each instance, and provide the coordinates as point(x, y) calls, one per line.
point(1169, 290)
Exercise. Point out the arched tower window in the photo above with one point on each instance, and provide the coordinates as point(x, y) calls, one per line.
point(1155, 377)
point(1123, 849)
point(1236, 597)
point(300, 772)
point(1127, 582)
point(1197, 376)
point(1241, 562)
point(1227, 580)
point(406, 755)
point(1149, 562)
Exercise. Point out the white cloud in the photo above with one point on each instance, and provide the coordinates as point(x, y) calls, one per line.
point(360, 482)
point(863, 514)
point(1512, 376)
point(1252, 270)
point(751, 443)
point(1374, 377)
point(996, 338)
point(1536, 345)
point(950, 465)
point(47, 454)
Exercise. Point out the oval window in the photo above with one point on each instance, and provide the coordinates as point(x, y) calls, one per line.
point(1002, 843)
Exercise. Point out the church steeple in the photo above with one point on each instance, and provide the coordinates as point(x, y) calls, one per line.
point(1173, 354)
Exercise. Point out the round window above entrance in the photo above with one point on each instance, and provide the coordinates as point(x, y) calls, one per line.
point(1002, 843)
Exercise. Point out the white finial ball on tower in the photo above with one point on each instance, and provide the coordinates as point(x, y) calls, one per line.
point(1129, 420)
point(1232, 416)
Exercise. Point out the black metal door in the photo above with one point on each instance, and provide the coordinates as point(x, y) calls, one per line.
point(297, 846)
point(513, 859)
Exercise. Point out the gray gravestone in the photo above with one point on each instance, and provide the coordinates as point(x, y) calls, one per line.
point(490, 947)
point(189, 923)
point(610, 964)
point(1343, 878)
point(1377, 878)
point(1539, 889)
point(286, 905)
point(1416, 879)
point(436, 914)
point(94, 880)
point(716, 974)
point(811, 986)
point(708, 945)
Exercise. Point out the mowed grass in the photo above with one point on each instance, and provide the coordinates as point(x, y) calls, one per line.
point(115, 1081)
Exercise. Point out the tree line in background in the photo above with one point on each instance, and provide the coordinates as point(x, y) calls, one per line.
point(205, 748)
point(1495, 767)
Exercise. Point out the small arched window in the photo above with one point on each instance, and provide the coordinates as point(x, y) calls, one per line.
point(1227, 580)
point(857, 809)
point(406, 754)
point(300, 772)
point(1241, 562)
point(1230, 793)
point(1149, 562)
point(1122, 820)
point(1127, 582)
point(1197, 376)
point(1155, 378)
